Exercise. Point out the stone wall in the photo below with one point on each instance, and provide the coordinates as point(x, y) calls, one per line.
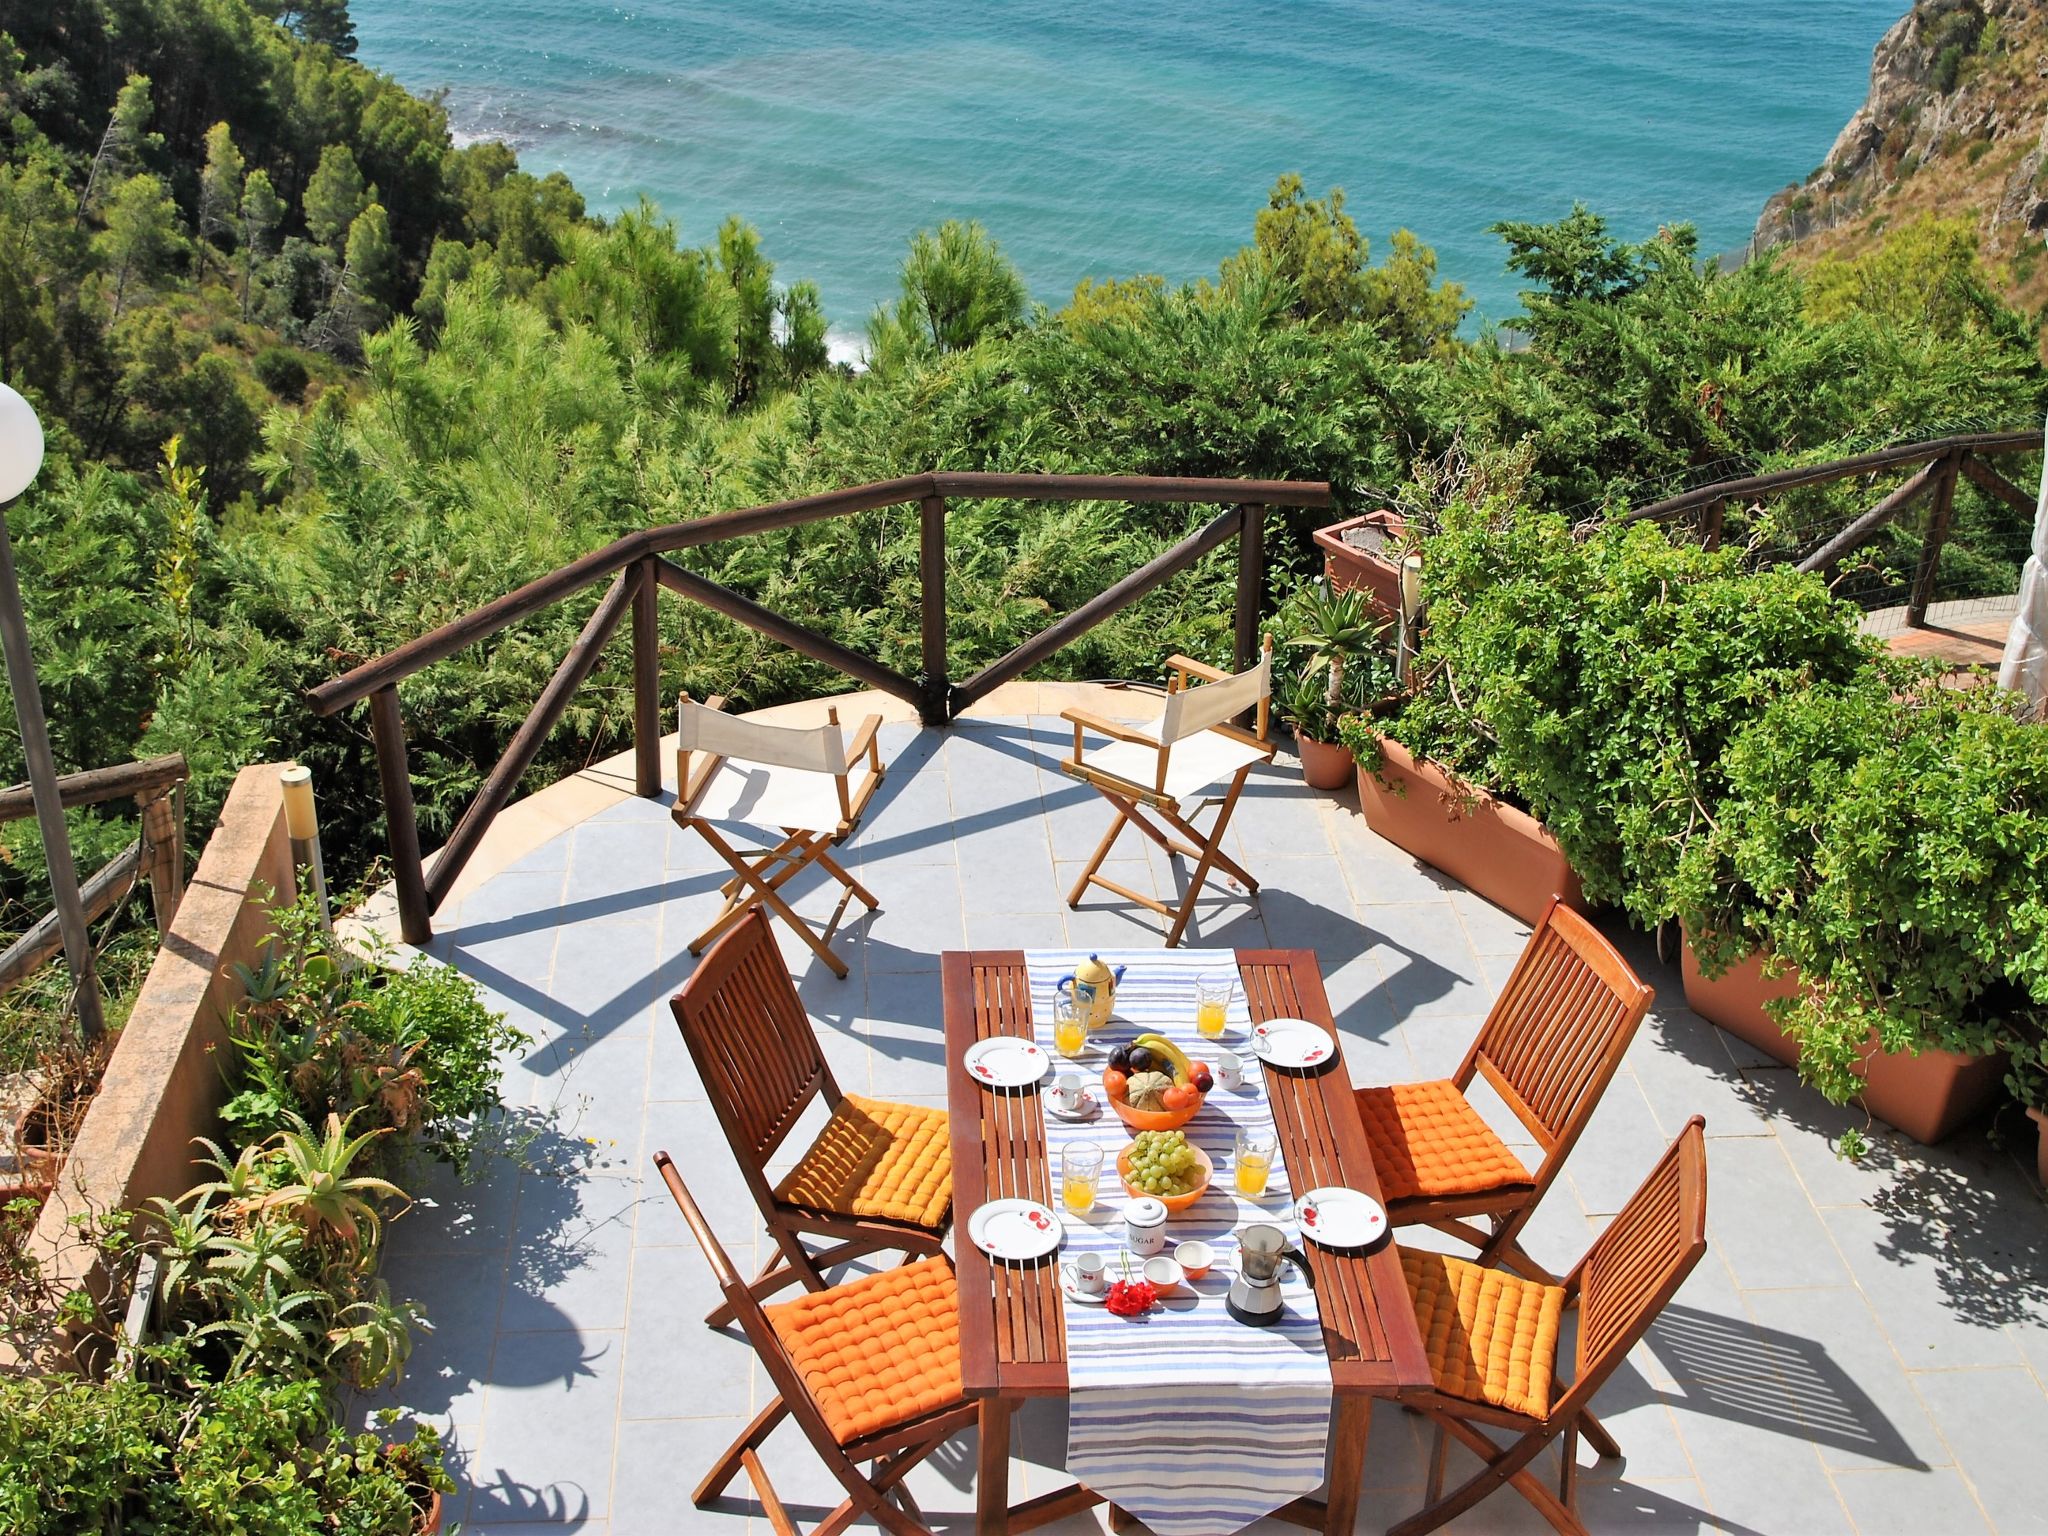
point(163, 1085)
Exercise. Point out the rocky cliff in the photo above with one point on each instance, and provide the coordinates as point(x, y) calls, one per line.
point(1956, 125)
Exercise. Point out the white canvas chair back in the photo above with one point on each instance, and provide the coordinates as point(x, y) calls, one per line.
point(1189, 710)
point(813, 749)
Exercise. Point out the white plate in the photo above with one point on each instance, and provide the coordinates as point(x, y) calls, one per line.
point(1090, 1107)
point(1006, 1061)
point(1073, 1291)
point(1017, 1230)
point(1336, 1217)
point(1292, 1043)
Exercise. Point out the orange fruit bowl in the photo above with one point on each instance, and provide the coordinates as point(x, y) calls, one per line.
point(1154, 1119)
point(1173, 1203)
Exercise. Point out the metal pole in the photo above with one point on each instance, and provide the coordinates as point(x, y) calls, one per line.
point(42, 782)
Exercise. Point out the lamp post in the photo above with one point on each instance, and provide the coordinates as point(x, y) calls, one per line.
point(21, 455)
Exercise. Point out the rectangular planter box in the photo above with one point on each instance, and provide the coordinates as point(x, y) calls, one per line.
point(1496, 851)
point(1348, 566)
point(1929, 1096)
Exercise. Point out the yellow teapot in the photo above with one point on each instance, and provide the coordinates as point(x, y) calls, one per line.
point(1091, 988)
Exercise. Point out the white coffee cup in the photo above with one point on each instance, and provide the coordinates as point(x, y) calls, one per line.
point(1145, 1226)
point(1230, 1069)
point(1091, 1273)
point(1066, 1093)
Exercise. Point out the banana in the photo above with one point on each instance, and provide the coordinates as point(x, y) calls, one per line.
point(1183, 1069)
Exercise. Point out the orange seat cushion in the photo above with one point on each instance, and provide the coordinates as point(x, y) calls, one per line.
point(892, 1161)
point(1428, 1141)
point(878, 1351)
point(1491, 1337)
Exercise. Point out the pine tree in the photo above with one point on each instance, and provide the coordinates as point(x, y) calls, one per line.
point(124, 144)
point(220, 188)
point(334, 197)
point(142, 232)
point(262, 211)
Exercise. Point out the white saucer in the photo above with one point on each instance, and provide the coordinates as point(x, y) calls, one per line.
point(1073, 1292)
point(1292, 1043)
point(1016, 1230)
point(1336, 1217)
point(1005, 1061)
point(1091, 1108)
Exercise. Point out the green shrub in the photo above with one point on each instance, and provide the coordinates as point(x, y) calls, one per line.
point(281, 371)
point(1890, 845)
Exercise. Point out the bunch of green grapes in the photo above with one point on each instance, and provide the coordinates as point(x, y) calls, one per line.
point(1162, 1163)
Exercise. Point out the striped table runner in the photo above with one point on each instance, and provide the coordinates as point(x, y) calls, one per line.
point(1187, 1418)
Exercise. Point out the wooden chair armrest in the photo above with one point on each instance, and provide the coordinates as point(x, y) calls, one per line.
point(863, 744)
point(717, 702)
point(1101, 778)
point(1237, 733)
point(1110, 728)
point(1186, 665)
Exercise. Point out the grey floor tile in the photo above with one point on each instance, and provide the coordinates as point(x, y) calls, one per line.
point(1997, 1423)
point(1678, 1059)
point(1835, 1374)
point(461, 1295)
point(1765, 1483)
point(1644, 1507)
point(1760, 1221)
point(1017, 930)
point(550, 1429)
point(1490, 930)
point(1893, 1502)
point(1927, 1288)
point(675, 1367)
point(659, 1462)
point(1620, 1145)
point(571, 1255)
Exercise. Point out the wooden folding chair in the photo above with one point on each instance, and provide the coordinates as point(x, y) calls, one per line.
point(792, 780)
point(1492, 1341)
point(1550, 1046)
point(870, 1371)
point(1193, 749)
point(878, 1177)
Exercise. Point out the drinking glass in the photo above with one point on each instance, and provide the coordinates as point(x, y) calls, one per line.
point(1069, 1029)
point(1080, 1167)
point(1212, 1003)
point(1254, 1160)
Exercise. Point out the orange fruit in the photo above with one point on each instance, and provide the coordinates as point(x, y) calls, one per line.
point(1179, 1096)
point(1115, 1083)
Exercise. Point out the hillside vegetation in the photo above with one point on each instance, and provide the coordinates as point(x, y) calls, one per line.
point(1953, 138)
point(403, 377)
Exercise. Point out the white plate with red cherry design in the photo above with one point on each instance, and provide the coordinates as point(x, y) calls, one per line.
point(1336, 1217)
point(1005, 1061)
point(1014, 1230)
point(1292, 1043)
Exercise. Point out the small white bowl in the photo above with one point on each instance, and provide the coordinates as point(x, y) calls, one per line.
point(1164, 1273)
point(1194, 1257)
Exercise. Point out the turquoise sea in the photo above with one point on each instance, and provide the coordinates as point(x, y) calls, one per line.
point(1099, 140)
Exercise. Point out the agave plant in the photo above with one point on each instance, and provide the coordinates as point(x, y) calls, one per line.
point(371, 1339)
point(321, 1193)
point(243, 1184)
point(266, 1318)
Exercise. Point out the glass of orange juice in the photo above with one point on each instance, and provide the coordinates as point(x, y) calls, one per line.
point(1080, 1167)
point(1212, 1003)
point(1069, 1029)
point(1254, 1163)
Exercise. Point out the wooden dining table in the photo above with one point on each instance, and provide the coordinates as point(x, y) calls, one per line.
point(1012, 1327)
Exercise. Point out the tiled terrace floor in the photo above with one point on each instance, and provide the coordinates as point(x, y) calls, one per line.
point(1863, 1349)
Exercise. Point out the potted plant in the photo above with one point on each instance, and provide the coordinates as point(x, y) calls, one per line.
point(1337, 664)
point(1363, 554)
point(1880, 851)
point(64, 1078)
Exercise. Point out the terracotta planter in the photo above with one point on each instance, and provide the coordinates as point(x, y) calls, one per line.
point(2040, 1119)
point(12, 1232)
point(1324, 765)
point(1929, 1096)
point(430, 1521)
point(1494, 849)
point(1372, 564)
point(38, 1160)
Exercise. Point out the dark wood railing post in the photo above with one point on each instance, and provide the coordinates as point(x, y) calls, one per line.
point(646, 680)
point(1937, 535)
point(415, 923)
point(1251, 582)
point(1711, 518)
point(937, 706)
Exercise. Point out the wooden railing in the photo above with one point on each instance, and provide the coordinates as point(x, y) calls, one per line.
point(157, 785)
point(1942, 462)
point(638, 571)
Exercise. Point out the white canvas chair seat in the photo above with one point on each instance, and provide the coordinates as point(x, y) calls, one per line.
point(1192, 749)
point(1196, 763)
point(794, 783)
point(749, 795)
